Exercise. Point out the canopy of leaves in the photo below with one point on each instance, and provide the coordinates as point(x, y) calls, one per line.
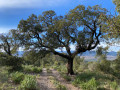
point(112, 27)
point(117, 3)
point(81, 26)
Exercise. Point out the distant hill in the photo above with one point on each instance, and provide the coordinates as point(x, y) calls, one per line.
point(93, 53)
point(88, 55)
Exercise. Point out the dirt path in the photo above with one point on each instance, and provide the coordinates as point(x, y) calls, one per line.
point(45, 84)
point(67, 84)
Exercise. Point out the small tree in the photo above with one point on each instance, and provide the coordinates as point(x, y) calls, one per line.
point(81, 27)
point(34, 57)
point(101, 53)
point(9, 42)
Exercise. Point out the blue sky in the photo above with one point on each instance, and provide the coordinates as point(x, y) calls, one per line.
point(12, 11)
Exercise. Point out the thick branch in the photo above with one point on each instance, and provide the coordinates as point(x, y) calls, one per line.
point(61, 54)
point(65, 45)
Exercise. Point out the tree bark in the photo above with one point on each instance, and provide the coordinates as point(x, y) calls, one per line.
point(70, 67)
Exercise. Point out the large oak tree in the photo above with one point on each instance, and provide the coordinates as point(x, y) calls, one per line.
point(81, 27)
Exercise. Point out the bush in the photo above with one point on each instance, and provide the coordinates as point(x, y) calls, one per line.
point(92, 66)
point(61, 87)
point(114, 85)
point(57, 84)
point(27, 68)
point(90, 85)
point(104, 66)
point(48, 70)
point(36, 69)
point(17, 77)
point(3, 74)
point(29, 83)
point(32, 69)
point(67, 78)
point(11, 61)
point(85, 77)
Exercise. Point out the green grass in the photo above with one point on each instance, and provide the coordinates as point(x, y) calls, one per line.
point(17, 77)
point(57, 84)
point(32, 69)
point(5, 84)
point(99, 80)
point(29, 83)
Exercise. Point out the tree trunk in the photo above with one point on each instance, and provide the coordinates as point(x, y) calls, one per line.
point(70, 67)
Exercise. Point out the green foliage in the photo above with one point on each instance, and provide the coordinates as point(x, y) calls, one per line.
point(27, 68)
point(114, 85)
point(12, 61)
point(93, 66)
point(86, 76)
point(36, 69)
point(29, 83)
point(8, 86)
point(79, 64)
point(49, 71)
point(57, 84)
point(92, 84)
point(61, 87)
point(3, 74)
point(34, 57)
point(116, 66)
point(55, 67)
point(32, 69)
point(67, 78)
point(5, 80)
point(101, 53)
point(17, 77)
point(38, 33)
point(117, 3)
point(15, 63)
point(9, 43)
point(104, 66)
point(85, 82)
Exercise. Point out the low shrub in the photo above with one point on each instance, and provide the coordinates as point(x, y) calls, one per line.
point(85, 77)
point(12, 61)
point(76, 82)
point(104, 66)
point(61, 87)
point(57, 84)
point(32, 69)
point(90, 85)
point(8, 86)
point(36, 69)
point(29, 83)
point(3, 74)
point(56, 67)
point(67, 78)
point(27, 68)
point(114, 85)
point(48, 70)
point(17, 77)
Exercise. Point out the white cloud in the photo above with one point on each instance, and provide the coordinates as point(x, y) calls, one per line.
point(5, 29)
point(72, 48)
point(30, 3)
